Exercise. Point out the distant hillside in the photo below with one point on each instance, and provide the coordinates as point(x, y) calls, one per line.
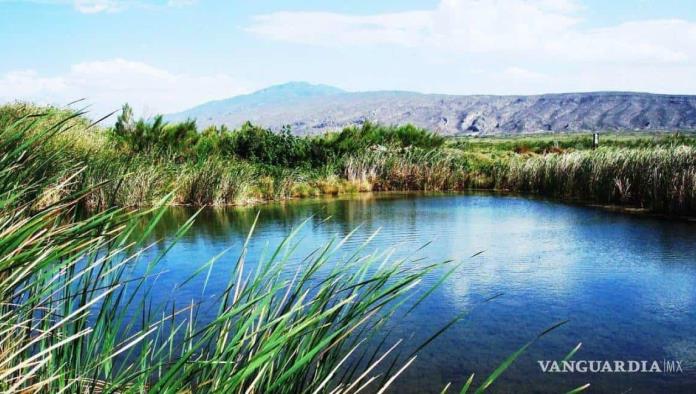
point(311, 109)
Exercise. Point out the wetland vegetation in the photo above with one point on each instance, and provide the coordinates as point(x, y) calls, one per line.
point(138, 162)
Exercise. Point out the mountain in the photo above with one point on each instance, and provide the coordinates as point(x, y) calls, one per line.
point(311, 109)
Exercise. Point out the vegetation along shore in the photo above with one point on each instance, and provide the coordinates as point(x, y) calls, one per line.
point(77, 288)
point(138, 162)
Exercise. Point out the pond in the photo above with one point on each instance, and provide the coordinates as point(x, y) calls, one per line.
point(627, 284)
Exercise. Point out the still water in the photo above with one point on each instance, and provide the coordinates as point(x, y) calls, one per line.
point(627, 284)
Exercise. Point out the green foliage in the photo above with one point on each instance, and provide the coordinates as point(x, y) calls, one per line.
point(156, 134)
point(357, 139)
point(125, 125)
point(263, 146)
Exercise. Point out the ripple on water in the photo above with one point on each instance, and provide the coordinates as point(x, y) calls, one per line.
point(627, 284)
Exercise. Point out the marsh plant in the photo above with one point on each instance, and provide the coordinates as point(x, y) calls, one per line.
point(662, 179)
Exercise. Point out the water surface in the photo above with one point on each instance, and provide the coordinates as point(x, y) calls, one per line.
point(626, 283)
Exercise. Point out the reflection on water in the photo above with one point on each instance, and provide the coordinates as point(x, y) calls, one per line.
point(627, 284)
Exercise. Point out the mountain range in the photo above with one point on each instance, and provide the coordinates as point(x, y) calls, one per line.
point(312, 109)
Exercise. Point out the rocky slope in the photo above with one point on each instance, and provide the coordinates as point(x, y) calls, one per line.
point(311, 109)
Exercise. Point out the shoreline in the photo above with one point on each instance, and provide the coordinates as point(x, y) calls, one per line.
point(614, 208)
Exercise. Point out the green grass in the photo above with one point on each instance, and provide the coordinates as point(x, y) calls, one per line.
point(557, 142)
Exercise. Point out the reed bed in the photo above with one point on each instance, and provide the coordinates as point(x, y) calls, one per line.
point(409, 170)
point(661, 179)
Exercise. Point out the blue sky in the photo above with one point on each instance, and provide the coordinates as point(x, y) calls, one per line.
point(167, 55)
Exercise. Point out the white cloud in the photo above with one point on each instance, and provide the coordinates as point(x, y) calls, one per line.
point(330, 29)
point(180, 3)
point(110, 83)
point(96, 6)
point(27, 83)
point(523, 73)
point(100, 6)
point(528, 29)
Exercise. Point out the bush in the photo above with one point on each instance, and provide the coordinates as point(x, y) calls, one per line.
point(264, 146)
point(369, 135)
point(261, 145)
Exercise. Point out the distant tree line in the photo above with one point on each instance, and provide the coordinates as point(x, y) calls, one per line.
point(262, 145)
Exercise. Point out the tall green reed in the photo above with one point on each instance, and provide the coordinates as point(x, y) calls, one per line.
point(662, 179)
